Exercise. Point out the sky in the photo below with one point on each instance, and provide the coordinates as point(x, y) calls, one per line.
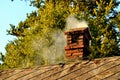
point(11, 13)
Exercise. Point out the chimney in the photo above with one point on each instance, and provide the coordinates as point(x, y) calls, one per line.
point(78, 43)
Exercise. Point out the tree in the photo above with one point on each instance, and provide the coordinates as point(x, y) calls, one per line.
point(36, 45)
point(105, 38)
point(101, 16)
point(1, 56)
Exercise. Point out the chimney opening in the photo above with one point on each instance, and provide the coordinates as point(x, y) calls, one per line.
point(75, 38)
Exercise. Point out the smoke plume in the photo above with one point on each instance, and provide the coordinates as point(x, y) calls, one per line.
point(72, 22)
point(51, 49)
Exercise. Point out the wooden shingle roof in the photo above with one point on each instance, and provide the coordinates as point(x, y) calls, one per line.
point(103, 68)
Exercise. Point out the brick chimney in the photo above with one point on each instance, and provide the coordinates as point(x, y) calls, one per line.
point(78, 43)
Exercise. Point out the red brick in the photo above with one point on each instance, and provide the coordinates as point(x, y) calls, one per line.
point(80, 44)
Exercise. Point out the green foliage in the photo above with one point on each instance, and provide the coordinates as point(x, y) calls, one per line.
point(1, 56)
point(36, 45)
point(105, 38)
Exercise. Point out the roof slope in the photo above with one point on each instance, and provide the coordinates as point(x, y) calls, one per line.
point(104, 68)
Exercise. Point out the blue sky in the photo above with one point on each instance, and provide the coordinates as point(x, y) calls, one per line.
point(11, 13)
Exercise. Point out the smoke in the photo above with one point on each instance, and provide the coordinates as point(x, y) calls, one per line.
point(51, 47)
point(58, 46)
point(72, 22)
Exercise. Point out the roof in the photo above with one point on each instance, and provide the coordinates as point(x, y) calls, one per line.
point(103, 68)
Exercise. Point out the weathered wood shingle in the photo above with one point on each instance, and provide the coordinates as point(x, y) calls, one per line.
point(103, 68)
